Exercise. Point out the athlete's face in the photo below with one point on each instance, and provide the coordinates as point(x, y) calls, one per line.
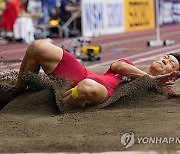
point(164, 64)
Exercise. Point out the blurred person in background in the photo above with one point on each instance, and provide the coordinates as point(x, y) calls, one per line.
point(17, 22)
point(68, 9)
point(45, 10)
point(47, 6)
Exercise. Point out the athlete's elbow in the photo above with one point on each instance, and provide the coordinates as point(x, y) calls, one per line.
point(120, 67)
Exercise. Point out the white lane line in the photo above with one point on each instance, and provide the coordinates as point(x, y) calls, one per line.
point(154, 56)
point(145, 38)
point(97, 65)
point(128, 34)
point(128, 57)
point(12, 66)
point(137, 55)
point(115, 42)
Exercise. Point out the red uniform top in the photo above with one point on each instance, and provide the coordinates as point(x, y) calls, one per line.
point(110, 79)
point(10, 14)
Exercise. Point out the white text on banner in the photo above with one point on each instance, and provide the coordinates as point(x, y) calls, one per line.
point(102, 17)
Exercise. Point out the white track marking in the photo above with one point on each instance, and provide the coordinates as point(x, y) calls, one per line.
point(138, 55)
point(4, 67)
point(120, 42)
point(154, 56)
point(116, 43)
point(3, 52)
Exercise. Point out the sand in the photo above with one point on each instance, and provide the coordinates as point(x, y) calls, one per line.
point(38, 121)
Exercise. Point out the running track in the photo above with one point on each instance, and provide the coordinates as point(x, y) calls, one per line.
point(130, 45)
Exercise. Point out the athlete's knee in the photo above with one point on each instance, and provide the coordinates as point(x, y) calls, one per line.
point(36, 48)
point(87, 88)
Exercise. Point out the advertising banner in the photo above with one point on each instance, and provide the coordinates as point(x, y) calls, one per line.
point(139, 14)
point(169, 11)
point(102, 17)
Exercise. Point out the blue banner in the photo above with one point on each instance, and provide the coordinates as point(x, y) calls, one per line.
point(102, 17)
point(114, 14)
point(94, 15)
point(169, 11)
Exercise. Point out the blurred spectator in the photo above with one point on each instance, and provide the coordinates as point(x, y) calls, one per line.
point(11, 12)
point(16, 20)
point(45, 10)
point(55, 9)
point(47, 5)
point(68, 7)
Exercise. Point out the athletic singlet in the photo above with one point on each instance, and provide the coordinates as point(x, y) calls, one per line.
point(110, 79)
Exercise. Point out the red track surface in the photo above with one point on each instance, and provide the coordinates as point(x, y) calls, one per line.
point(131, 45)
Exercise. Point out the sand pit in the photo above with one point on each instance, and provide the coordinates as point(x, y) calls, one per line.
point(38, 121)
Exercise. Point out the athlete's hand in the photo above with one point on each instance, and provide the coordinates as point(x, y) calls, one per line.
point(167, 79)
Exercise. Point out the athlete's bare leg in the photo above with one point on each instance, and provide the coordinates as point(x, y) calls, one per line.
point(89, 92)
point(39, 54)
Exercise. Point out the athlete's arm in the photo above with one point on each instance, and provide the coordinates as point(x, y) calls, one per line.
point(133, 73)
point(127, 70)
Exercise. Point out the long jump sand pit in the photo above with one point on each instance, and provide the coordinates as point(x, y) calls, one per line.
point(38, 120)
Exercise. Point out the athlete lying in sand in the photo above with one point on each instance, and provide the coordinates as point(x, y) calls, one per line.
point(91, 88)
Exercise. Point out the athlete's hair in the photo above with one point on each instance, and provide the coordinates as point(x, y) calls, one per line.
point(177, 56)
